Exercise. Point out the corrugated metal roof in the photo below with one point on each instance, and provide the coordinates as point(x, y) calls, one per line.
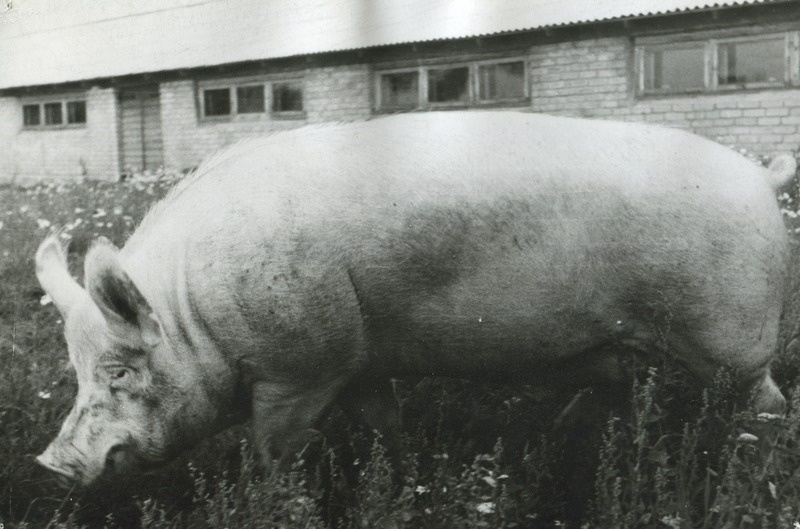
point(48, 41)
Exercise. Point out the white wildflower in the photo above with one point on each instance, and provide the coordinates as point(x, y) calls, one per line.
point(43, 223)
point(44, 395)
point(45, 300)
point(747, 438)
point(78, 211)
point(24, 209)
point(118, 210)
point(675, 522)
point(486, 507)
point(99, 213)
point(422, 489)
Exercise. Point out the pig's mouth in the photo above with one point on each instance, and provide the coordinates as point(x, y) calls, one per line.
point(131, 460)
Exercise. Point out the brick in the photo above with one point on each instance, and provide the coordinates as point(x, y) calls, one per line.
point(730, 113)
point(780, 111)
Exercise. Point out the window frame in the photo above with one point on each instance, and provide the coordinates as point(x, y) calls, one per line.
point(711, 44)
point(233, 84)
point(473, 99)
point(63, 103)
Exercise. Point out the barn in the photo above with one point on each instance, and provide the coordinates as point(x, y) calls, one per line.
point(120, 87)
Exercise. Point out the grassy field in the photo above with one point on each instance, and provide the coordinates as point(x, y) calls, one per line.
point(479, 455)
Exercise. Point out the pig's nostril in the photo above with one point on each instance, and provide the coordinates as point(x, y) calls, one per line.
point(115, 459)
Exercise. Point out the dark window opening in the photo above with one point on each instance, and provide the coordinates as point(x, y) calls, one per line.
point(52, 114)
point(287, 97)
point(448, 85)
point(502, 81)
point(76, 112)
point(217, 102)
point(250, 99)
point(400, 90)
point(31, 115)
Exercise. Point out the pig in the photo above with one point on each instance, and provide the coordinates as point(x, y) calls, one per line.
point(314, 266)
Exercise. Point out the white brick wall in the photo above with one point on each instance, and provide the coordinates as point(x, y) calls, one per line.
point(58, 153)
point(563, 82)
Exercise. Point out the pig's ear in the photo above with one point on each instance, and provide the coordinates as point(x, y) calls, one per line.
point(53, 275)
point(122, 304)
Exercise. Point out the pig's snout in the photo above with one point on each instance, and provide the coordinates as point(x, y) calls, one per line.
point(63, 476)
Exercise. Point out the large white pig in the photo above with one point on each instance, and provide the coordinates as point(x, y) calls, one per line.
point(314, 265)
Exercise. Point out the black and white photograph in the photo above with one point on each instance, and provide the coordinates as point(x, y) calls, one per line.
point(399, 264)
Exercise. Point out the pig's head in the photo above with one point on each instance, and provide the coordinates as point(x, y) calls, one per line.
point(130, 414)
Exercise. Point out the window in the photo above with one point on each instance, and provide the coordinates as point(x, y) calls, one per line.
point(474, 84)
point(679, 69)
point(400, 90)
point(217, 102)
point(53, 114)
point(248, 100)
point(757, 61)
point(31, 115)
point(448, 85)
point(718, 63)
point(503, 81)
point(287, 97)
point(76, 112)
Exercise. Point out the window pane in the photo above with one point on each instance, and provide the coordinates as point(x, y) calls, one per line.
point(250, 99)
point(30, 115)
point(217, 102)
point(751, 62)
point(675, 69)
point(448, 85)
point(287, 97)
point(502, 81)
point(52, 114)
point(400, 90)
point(76, 112)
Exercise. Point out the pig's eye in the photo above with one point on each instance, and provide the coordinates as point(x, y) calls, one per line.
point(118, 375)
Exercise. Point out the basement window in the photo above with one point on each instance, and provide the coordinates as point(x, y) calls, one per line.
point(474, 84)
point(55, 114)
point(247, 99)
point(716, 64)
